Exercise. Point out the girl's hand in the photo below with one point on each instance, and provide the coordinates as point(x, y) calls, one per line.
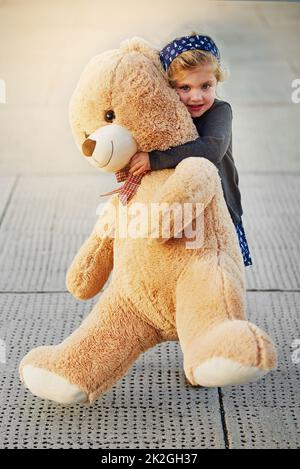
point(139, 163)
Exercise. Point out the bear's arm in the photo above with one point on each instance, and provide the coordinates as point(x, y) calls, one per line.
point(93, 263)
point(194, 181)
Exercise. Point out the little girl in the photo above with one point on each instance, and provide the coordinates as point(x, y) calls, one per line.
point(192, 65)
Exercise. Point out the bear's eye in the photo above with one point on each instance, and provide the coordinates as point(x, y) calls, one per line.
point(109, 116)
point(86, 135)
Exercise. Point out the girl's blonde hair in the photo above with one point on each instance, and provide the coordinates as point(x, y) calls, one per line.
point(191, 60)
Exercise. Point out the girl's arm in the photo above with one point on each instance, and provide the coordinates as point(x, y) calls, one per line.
point(212, 145)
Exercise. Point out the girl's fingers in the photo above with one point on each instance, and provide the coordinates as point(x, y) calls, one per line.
point(132, 162)
point(135, 167)
point(134, 159)
point(137, 173)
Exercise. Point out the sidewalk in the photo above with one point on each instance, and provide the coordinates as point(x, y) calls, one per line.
point(47, 208)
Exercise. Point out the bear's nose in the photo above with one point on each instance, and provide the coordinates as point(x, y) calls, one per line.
point(88, 147)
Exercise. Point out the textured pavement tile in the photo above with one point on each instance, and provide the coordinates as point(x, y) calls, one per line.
point(43, 142)
point(45, 220)
point(151, 407)
point(45, 224)
point(256, 42)
point(266, 414)
point(6, 187)
point(271, 204)
point(243, 43)
point(49, 218)
point(259, 141)
point(277, 14)
point(263, 83)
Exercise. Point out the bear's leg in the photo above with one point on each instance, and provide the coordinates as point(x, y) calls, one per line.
point(219, 345)
point(93, 358)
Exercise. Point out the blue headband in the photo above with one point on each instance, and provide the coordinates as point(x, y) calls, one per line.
point(184, 43)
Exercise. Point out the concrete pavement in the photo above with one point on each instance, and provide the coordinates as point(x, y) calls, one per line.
point(48, 200)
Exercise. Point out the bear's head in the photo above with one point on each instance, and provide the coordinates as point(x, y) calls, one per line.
point(124, 104)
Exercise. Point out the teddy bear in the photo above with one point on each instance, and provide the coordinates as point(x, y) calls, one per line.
point(160, 288)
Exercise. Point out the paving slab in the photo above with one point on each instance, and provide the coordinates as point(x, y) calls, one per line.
point(6, 188)
point(46, 222)
point(266, 414)
point(279, 13)
point(266, 137)
point(272, 223)
point(260, 84)
point(45, 219)
point(151, 407)
point(258, 41)
point(42, 142)
point(48, 219)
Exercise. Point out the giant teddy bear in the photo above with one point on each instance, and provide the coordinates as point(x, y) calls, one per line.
point(160, 289)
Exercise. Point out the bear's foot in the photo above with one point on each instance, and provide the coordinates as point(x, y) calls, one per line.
point(218, 372)
point(42, 373)
point(231, 353)
point(48, 385)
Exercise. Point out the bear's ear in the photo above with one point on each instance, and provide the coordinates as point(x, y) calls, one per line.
point(137, 44)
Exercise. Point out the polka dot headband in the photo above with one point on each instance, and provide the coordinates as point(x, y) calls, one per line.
point(184, 43)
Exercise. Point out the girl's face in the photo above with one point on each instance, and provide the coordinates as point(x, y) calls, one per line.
point(197, 90)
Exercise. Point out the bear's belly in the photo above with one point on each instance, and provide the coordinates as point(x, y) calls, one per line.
point(147, 275)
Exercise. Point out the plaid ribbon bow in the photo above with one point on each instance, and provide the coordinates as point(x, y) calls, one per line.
point(127, 191)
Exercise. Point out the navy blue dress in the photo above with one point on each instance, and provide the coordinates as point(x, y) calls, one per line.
point(243, 244)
